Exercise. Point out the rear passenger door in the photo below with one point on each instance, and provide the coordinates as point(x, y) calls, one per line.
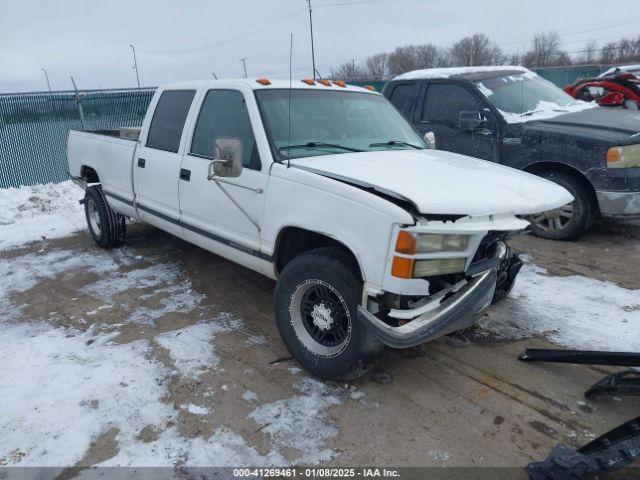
point(403, 95)
point(439, 112)
point(158, 158)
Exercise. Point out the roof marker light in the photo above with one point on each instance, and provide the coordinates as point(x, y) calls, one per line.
point(308, 81)
point(326, 83)
point(369, 87)
point(264, 81)
point(340, 83)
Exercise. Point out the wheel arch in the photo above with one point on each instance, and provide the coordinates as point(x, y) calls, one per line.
point(538, 168)
point(89, 174)
point(293, 241)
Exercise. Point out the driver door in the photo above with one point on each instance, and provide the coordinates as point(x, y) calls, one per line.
point(227, 212)
point(440, 113)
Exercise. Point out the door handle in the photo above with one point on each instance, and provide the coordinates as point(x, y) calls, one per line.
point(185, 174)
point(141, 162)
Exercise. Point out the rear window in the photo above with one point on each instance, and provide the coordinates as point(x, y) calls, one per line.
point(402, 97)
point(168, 119)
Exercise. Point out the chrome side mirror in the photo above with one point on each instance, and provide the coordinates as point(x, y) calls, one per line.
point(430, 138)
point(227, 158)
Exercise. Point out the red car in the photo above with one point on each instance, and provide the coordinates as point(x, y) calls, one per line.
point(618, 86)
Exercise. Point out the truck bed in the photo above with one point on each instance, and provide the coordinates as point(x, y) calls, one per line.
point(107, 155)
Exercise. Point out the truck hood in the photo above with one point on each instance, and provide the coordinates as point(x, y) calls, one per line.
point(616, 126)
point(442, 183)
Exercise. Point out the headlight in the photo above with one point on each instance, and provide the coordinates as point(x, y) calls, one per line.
point(623, 157)
point(409, 244)
point(441, 266)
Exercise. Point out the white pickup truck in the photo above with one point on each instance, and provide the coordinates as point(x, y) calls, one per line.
point(374, 238)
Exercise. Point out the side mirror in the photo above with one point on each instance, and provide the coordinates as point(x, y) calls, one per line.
point(469, 120)
point(430, 138)
point(227, 158)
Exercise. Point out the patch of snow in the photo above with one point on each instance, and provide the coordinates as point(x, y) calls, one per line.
point(260, 340)
point(301, 421)
point(545, 110)
point(250, 397)
point(191, 348)
point(195, 409)
point(450, 72)
point(487, 92)
point(29, 213)
point(58, 394)
point(622, 68)
point(575, 311)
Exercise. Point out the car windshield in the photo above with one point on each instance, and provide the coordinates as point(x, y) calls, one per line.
point(332, 122)
point(524, 93)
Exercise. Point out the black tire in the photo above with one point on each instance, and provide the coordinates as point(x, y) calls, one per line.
point(507, 273)
point(349, 347)
point(107, 228)
point(582, 216)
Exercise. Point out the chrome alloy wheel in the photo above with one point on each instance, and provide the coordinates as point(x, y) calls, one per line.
point(555, 219)
point(320, 318)
point(94, 217)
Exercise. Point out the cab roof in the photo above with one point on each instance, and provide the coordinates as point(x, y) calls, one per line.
point(465, 73)
point(255, 85)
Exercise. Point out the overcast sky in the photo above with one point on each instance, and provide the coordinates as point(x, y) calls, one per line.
point(182, 40)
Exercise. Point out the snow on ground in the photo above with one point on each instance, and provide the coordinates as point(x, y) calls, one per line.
point(575, 312)
point(29, 213)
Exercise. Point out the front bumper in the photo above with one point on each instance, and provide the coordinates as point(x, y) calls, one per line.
point(618, 203)
point(454, 313)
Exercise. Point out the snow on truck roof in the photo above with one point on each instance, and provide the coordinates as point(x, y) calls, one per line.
point(264, 83)
point(463, 72)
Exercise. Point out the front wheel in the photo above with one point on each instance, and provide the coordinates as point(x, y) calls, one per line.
point(569, 221)
point(317, 299)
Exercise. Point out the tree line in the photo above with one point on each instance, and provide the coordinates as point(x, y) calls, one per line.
point(545, 51)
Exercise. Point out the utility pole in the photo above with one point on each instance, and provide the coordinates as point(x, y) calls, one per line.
point(79, 103)
point(244, 65)
point(313, 54)
point(47, 78)
point(135, 64)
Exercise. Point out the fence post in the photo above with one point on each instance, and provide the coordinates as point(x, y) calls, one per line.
point(79, 103)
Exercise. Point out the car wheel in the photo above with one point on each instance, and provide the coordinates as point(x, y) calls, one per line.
point(569, 221)
point(107, 228)
point(631, 105)
point(317, 297)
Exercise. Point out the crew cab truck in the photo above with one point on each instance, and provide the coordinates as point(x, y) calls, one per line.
point(510, 115)
point(374, 239)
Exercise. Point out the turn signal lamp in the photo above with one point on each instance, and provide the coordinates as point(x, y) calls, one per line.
point(406, 243)
point(402, 267)
point(264, 81)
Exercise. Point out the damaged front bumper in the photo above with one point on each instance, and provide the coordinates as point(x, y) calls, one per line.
point(448, 315)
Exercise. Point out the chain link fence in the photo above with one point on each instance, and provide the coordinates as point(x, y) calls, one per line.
point(34, 128)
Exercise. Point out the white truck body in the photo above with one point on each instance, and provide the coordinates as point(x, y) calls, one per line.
point(361, 200)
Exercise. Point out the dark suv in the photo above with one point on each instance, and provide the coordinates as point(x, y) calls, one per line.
point(510, 115)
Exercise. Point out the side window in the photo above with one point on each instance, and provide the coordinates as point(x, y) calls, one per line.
point(443, 104)
point(224, 114)
point(402, 97)
point(168, 119)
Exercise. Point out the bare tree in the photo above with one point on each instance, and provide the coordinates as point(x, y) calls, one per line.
point(546, 51)
point(413, 57)
point(348, 72)
point(476, 50)
point(376, 66)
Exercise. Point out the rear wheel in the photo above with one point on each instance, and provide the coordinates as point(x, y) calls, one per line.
point(317, 299)
point(107, 228)
point(569, 221)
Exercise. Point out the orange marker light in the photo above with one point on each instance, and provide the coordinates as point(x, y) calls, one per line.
point(613, 155)
point(402, 267)
point(264, 81)
point(340, 83)
point(406, 243)
point(326, 83)
point(309, 81)
point(370, 87)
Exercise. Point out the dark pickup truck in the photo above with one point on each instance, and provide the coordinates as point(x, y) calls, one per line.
point(512, 116)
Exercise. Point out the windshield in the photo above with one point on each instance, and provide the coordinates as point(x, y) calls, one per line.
point(331, 122)
point(524, 93)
